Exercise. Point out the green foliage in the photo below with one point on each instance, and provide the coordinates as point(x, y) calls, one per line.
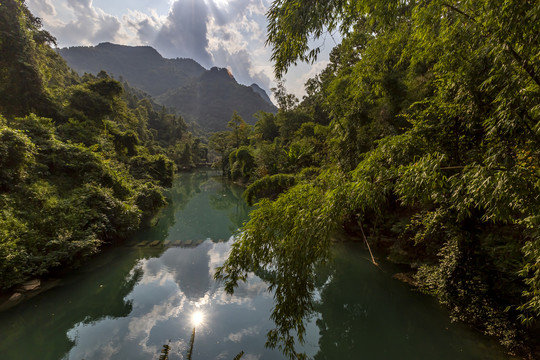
point(268, 187)
point(241, 162)
point(85, 102)
point(186, 159)
point(153, 167)
point(286, 102)
point(219, 142)
point(270, 159)
point(299, 154)
point(281, 143)
point(150, 199)
point(12, 269)
point(21, 81)
point(82, 167)
point(105, 86)
point(290, 122)
point(434, 116)
point(266, 128)
point(63, 209)
point(239, 130)
point(16, 155)
point(286, 239)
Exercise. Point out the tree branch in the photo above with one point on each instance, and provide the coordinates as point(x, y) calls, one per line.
point(529, 69)
point(524, 64)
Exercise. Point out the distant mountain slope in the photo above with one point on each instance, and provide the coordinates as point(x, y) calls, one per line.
point(211, 99)
point(261, 92)
point(142, 66)
point(206, 97)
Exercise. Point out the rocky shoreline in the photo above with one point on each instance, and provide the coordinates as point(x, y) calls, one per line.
point(26, 291)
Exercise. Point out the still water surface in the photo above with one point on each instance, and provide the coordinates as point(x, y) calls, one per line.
point(132, 299)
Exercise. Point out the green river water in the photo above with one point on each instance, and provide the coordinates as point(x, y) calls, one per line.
point(132, 299)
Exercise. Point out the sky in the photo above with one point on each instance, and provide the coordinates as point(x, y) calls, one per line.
point(224, 33)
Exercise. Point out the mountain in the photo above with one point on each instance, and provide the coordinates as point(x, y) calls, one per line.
point(261, 92)
point(142, 66)
point(211, 99)
point(206, 97)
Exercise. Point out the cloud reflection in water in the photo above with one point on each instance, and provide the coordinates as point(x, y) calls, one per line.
point(173, 289)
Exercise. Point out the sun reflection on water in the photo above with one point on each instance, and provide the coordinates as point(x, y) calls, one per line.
point(197, 318)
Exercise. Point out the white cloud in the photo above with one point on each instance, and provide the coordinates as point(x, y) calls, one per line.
point(184, 34)
point(78, 22)
point(224, 33)
point(143, 27)
point(237, 336)
point(43, 7)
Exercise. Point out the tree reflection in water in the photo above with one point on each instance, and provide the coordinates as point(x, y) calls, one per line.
point(131, 300)
point(229, 197)
point(94, 294)
point(364, 314)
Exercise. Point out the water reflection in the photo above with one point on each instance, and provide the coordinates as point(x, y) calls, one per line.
point(163, 308)
point(37, 329)
point(362, 313)
point(176, 281)
point(190, 270)
point(230, 199)
point(131, 300)
point(185, 187)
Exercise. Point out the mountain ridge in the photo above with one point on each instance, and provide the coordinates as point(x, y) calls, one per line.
point(206, 97)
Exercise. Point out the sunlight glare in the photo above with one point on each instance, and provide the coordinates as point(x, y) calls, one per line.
point(221, 3)
point(197, 318)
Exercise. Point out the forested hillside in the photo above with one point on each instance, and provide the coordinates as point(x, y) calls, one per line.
point(142, 66)
point(211, 99)
point(205, 97)
point(83, 160)
point(423, 134)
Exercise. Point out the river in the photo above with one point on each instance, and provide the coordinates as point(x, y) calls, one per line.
point(134, 298)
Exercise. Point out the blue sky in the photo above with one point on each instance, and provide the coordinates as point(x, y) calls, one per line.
point(224, 33)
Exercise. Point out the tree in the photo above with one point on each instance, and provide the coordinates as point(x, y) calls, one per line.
point(219, 142)
point(186, 159)
point(240, 130)
point(241, 163)
point(433, 112)
point(286, 102)
point(22, 87)
point(266, 128)
point(16, 155)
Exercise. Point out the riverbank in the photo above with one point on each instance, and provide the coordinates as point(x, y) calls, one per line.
point(26, 291)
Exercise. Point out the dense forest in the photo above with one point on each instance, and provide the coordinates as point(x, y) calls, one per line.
point(83, 159)
point(422, 134)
